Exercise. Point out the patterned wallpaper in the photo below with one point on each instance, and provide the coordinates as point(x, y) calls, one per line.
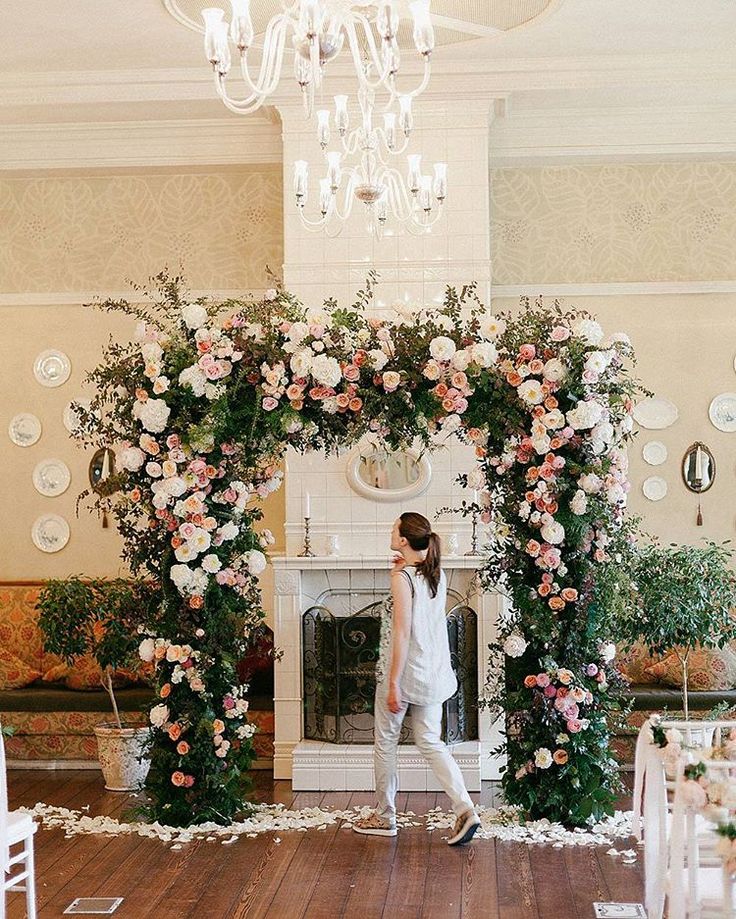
point(93, 232)
point(664, 222)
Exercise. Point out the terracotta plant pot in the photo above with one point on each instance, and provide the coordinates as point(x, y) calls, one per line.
point(119, 752)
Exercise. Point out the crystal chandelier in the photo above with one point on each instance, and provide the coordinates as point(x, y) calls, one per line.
point(359, 171)
point(319, 30)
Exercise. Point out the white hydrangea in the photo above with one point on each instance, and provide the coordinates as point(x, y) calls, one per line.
point(153, 414)
point(194, 379)
point(589, 330)
point(607, 651)
point(194, 315)
point(442, 348)
point(586, 414)
point(255, 561)
point(131, 459)
point(181, 575)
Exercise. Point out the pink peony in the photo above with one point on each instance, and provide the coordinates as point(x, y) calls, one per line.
point(560, 333)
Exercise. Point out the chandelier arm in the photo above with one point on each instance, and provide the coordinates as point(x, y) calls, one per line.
point(382, 69)
point(272, 62)
point(418, 90)
point(395, 151)
point(402, 205)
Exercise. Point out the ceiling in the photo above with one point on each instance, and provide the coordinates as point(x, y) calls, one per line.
point(106, 61)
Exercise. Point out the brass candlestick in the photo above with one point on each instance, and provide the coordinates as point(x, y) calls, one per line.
point(307, 550)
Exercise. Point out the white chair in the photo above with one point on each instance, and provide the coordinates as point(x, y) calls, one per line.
point(700, 886)
point(652, 801)
point(18, 871)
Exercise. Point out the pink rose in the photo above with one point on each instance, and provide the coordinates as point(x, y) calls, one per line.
point(269, 403)
point(351, 373)
point(543, 679)
point(172, 441)
point(574, 726)
point(550, 691)
point(527, 352)
point(560, 333)
point(590, 376)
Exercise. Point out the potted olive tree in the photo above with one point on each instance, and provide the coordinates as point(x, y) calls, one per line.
point(685, 596)
point(99, 618)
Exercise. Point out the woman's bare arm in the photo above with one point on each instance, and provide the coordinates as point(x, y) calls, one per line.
point(400, 632)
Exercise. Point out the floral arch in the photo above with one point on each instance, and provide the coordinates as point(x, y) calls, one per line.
point(207, 398)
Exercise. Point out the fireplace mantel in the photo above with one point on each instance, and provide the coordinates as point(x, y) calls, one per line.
point(299, 582)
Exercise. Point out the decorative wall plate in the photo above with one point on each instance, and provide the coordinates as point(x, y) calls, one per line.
point(654, 488)
point(52, 368)
point(50, 533)
point(654, 452)
point(24, 429)
point(655, 413)
point(51, 477)
point(70, 416)
point(722, 412)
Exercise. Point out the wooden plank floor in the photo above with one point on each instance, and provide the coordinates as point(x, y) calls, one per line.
point(327, 874)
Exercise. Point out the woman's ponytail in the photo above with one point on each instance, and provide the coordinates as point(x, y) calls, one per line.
point(417, 530)
point(430, 567)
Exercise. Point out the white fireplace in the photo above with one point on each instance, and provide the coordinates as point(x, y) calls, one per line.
point(300, 583)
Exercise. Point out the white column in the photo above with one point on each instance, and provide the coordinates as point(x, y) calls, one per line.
point(287, 695)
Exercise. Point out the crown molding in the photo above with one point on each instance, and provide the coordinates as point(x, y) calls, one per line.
point(86, 297)
point(613, 289)
point(217, 141)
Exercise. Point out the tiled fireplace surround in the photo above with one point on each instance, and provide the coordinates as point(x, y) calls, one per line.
point(409, 268)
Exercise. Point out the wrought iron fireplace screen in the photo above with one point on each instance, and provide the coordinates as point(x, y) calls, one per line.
point(340, 654)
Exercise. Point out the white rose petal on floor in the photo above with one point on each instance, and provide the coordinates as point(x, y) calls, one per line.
point(504, 824)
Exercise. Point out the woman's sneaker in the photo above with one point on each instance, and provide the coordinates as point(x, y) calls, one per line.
point(464, 829)
point(375, 825)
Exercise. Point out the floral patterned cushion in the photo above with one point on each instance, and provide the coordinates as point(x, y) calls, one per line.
point(15, 673)
point(85, 675)
point(635, 662)
point(708, 669)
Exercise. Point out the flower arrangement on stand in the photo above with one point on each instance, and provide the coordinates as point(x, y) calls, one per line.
point(202, 407)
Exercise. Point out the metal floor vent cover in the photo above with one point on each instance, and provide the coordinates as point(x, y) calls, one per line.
point(619, 911)
point(93, 906)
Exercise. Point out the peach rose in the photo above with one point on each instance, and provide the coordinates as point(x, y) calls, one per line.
point(530, 681)
point(218, 726)
point(174, 731)
point(356, 404)
point(178, 779)
point(165, 690)
point(182, 748)
point(196, 602)
point(544, 590)
point(556, 603)
point(569, 594)
point(560, 757)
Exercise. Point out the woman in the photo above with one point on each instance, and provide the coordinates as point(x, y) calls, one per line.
point(414, 670)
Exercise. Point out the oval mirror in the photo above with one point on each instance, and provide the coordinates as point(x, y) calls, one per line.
point(698, 468)
point(388, 475)
point(101, 468)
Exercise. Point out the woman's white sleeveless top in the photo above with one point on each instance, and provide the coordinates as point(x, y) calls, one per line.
point(428, 677)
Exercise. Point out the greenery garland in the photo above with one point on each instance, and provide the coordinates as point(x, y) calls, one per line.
point(203, 404)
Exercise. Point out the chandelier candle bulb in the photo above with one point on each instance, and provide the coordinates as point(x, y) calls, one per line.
point(387, 21)
point(301, 178)
point(223, 49)
point(333, 166)
point(406, 118)
point(325, 196)
point(414, 178)
point(423, 29)
point(212, 19)
point(310, 20)
point(241, 24)
point(440, 181)
point(323, 127)
point(425, 196)
point(342, 119)
point(389, 129)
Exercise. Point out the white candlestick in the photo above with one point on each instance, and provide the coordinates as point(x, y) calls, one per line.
point(307, 505)
point(475, 496)
point(698, 465)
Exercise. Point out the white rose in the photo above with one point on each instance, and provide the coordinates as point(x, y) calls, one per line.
point(404, 309)
point(181, 575)
point(585, 415)
point(461, 359)
point(620, 337)
point(131, 459)
point(211, 563)
point(159, 715)
point(432, 370)
point(615, 493)
point(603, 431)
point(598, 361)
point(554, 370)
point(298, 332)
point(579, 503)
point(491, 327)
point(194, 315)
point(476, 479)
point(228, 530)
point(378, 359)
point(442, 348)
point(152, 352)
point(326, 370)
point(553, 532)
point(553, 420)
point(543, 758)
point(484, 354)
point(185, 552)
point(514, 646)
point(200, 540)
point(589, 330)
point(146, 649)
point(255, 561)
point(301, 362)
point(541, 444)
point(530, 391)
point(152, 414)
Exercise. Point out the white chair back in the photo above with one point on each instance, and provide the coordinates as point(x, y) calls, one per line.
point(4, 850)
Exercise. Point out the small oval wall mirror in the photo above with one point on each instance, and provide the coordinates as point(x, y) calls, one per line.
point(101, 467)
point(386, 475)
point(698, 468)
